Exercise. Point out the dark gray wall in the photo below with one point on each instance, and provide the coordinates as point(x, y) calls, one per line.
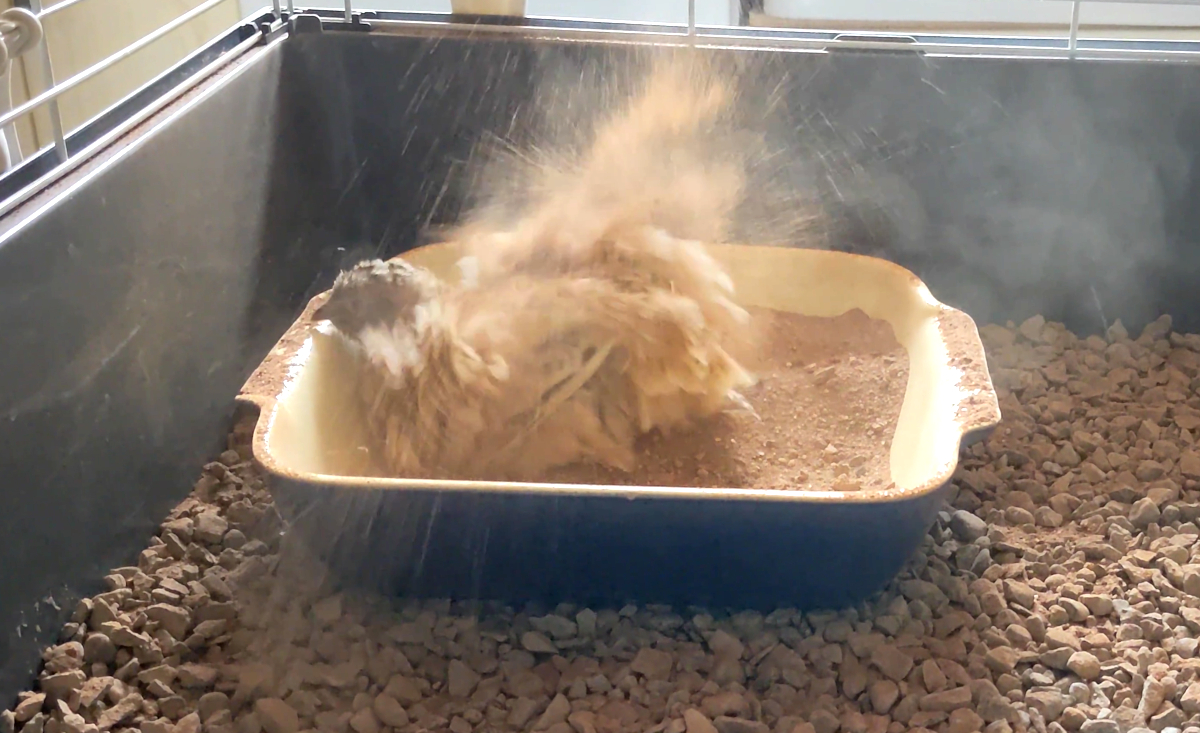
point(1011, 186)
point(131, 312)
point(123, 310)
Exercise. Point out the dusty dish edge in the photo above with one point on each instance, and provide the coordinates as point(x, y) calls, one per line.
point(977, 412)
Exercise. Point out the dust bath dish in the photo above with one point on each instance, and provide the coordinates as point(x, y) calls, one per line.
point(622, 540)
point(862, 336)
point(828, 401)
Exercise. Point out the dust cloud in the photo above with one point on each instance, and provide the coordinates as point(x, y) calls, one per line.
point(680, 138)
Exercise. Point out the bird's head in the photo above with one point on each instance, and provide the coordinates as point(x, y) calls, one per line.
point(381, 305)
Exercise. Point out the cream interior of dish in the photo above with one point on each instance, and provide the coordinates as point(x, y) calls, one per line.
point(315, 428)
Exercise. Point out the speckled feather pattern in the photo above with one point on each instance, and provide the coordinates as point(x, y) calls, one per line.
point(596, 317)
point(569, 369)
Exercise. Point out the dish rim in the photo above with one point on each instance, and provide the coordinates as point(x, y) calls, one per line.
point(977, 413)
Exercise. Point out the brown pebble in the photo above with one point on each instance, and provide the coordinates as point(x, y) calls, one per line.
point(276, 716)
point(119, 712)
point(947, 700)
point(29, 707)
point(189, 723)
point(1059, 559)
point(696, 722)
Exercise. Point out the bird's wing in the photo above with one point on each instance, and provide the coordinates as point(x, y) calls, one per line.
point(552, 343)
point(565, 387)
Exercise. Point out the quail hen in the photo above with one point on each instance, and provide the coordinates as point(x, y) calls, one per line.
point(593, 320)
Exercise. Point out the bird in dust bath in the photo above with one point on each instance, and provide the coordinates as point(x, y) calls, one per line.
point(592, 317)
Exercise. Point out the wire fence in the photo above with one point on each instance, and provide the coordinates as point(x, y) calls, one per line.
point(17, 39)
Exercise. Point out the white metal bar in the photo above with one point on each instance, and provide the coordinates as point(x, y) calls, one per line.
point(47, 79)
point(276, 8)
point(12, 141)
point(291, 5)
point(11, 38)
point(122, 129)
point(52, 108)
point(1003, 49)
point(52, 91)
point(56, 8)
point(1144, 2)
point(1073, 39)
point(94, 69)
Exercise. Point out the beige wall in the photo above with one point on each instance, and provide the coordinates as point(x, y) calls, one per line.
point(88, 32)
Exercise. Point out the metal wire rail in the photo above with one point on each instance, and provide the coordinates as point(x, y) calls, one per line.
point(281, 10)
point(54, 90)
point(1072, 35)
point(1067, 45)
point(70, 149)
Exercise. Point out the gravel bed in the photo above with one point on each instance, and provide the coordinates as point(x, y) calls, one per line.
point(1060, 591)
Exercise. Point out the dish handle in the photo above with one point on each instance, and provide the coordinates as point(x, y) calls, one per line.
point(977, 408)
point(263, 387)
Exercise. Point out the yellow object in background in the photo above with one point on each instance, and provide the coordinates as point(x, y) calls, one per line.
point(90, 31)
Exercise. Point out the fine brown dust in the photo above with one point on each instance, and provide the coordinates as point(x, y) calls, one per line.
point(827, 401)
point(611, 227)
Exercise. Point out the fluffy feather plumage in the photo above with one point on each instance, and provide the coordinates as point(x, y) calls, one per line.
point(592, 320)
point(567, 369)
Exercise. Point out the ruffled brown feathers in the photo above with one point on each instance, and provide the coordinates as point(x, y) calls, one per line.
point(596, 317)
